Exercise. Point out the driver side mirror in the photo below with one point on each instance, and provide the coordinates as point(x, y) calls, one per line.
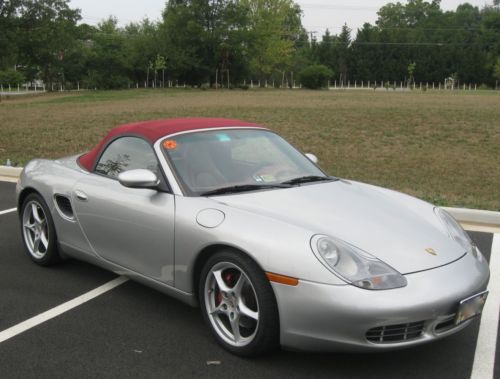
point(139, 178)
point(313, 158)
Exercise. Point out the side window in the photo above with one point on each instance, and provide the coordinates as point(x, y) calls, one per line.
point(124, 154)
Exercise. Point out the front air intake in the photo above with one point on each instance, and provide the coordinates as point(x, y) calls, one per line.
point(395, 333)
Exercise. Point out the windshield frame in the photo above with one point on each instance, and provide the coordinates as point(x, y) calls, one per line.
point(181, 188)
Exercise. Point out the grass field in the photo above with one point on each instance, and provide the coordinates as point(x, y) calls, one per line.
point(442, 147)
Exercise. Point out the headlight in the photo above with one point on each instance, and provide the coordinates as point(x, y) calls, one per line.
point(355, 266)
point(457, 233)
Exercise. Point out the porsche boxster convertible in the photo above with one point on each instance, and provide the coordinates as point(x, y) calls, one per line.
point(228, 216)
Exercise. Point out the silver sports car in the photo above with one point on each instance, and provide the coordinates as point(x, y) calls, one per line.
point(229, 216)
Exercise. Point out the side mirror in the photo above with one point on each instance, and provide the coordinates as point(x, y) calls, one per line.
point(313, 158)
point(139, 178)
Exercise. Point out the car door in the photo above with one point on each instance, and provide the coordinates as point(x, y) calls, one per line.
point(133, 228)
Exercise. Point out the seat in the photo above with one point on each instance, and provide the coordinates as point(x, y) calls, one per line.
point(201, 171)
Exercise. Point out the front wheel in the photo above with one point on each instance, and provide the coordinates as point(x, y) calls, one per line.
point(38, 231)
point(239, 305)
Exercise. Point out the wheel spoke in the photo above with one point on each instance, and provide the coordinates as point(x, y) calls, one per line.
point(44, 240)
point(244, 310)
point(29, 226)
point(36, 244)
point(220, 282)
point(217, 310)
point(235, 327)
point(36, 215)
point(239, 285)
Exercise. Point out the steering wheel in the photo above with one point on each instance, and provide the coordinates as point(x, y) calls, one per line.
point(278, 172)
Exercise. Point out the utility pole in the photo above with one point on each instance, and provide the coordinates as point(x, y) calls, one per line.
point(312, 37)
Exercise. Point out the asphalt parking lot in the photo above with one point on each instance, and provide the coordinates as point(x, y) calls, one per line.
point(134, 331)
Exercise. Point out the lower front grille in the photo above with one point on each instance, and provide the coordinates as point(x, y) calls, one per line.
point(395, 333)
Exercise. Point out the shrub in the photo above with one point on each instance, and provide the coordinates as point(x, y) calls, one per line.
point(316, 76)
point(11, 76)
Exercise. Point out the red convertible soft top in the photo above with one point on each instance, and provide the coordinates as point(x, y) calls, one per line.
point(154, 130)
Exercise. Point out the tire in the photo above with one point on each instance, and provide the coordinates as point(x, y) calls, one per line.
point(238, 304)
point(38, 231)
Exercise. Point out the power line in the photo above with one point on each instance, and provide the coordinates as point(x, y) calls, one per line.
point(409, 28)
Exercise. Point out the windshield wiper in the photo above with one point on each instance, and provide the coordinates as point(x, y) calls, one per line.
point(308, 179)
point(243, 188)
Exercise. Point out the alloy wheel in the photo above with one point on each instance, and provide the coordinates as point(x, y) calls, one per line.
point(35, 229)
point(231, 304)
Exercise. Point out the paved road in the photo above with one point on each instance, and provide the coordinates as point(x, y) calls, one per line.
point(133, 331)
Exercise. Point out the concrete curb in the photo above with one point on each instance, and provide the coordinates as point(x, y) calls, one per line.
point(10, 174)
point(10, 171)
point(474, 219)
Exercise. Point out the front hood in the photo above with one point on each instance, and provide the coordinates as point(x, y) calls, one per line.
point(395, 228)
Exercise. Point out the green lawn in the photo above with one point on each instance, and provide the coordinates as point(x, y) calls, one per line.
point(442, 147)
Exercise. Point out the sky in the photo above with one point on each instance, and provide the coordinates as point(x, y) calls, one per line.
point(318, 14)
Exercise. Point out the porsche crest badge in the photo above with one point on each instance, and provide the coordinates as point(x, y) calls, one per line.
point(431, 251)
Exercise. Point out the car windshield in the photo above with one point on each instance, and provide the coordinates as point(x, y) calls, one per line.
point(238, 160)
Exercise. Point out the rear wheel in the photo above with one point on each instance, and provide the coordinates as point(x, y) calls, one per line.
point(38, 231)
point(238, 304)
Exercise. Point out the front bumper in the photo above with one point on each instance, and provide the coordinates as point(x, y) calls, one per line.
point(322, 317)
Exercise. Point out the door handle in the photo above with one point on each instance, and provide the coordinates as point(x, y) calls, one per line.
point(80, 195)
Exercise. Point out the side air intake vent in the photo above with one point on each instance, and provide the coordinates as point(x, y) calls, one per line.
point(64, 206)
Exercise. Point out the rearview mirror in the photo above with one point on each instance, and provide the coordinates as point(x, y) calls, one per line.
point(313, 158)
point(139, 178)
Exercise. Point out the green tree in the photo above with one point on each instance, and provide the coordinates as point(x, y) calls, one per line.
point(202, 38)
point(159, 64)
point(9, 33)
point(274, 25)
point(411, 73)
point(108, 64)
point(47, 31)
point(142, 45)
point(496, 70)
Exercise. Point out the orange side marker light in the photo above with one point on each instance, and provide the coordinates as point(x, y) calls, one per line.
point(170, 144)
point(282, 279)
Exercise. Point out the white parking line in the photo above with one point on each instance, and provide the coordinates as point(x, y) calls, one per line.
point(484, 358)
point(8, 211)
point(54, 312)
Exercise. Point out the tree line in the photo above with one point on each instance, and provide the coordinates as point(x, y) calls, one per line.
point(229, 42)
